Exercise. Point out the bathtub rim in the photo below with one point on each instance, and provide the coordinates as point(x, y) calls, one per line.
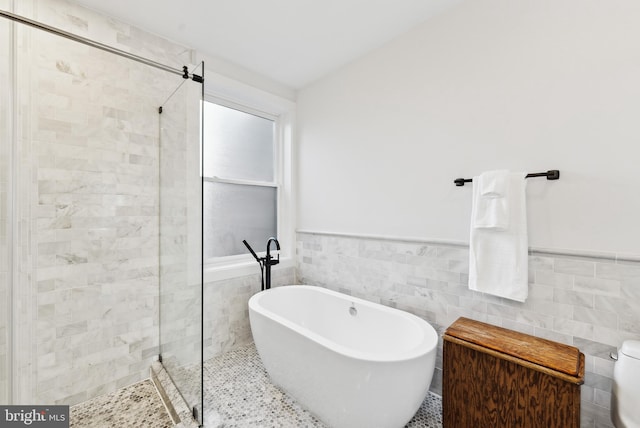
point(426, 347)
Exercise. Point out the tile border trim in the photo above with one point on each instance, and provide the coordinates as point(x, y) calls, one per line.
point(596, 255)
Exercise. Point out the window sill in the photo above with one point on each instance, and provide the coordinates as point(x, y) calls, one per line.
point(236, 270)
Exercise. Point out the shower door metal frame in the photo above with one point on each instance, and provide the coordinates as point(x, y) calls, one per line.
point(41, 26)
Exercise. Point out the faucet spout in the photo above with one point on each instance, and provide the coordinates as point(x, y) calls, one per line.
point(270, 261)
point(274, 240)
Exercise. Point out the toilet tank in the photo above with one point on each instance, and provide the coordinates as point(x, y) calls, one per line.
point(625, 392)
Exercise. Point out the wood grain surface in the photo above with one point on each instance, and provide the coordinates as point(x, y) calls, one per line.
point(556, 356)
point(484, 387)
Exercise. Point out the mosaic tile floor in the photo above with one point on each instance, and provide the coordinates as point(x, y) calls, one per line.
point(238, 394)
point(137, 405)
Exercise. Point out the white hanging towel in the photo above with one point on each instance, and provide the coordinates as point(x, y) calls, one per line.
point(492, 204)
point(498, 249)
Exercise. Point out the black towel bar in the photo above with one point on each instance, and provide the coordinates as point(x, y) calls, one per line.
point(553, 174)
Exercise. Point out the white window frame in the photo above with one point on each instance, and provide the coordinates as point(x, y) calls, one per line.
point(226, 92)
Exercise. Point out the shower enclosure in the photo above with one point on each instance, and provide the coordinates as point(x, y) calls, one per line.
point(100, 208)
point(181, 291)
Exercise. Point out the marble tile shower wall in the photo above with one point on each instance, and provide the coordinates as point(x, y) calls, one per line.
point(590, 302)
point(86, 289)
point(4, 275)
point(5, 138)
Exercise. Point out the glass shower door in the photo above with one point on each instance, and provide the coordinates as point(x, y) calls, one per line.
point(181, 242)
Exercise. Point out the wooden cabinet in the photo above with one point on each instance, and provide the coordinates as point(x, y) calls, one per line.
point(495, 377)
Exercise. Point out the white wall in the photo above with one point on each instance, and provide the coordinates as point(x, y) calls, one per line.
point(529, 85)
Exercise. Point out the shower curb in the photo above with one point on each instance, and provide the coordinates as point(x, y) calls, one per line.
point(177, 408)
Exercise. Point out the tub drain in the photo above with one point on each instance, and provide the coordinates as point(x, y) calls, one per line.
point(353, 311)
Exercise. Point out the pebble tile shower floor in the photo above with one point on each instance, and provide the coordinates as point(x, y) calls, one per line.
point(137, 405)
point(237, 393)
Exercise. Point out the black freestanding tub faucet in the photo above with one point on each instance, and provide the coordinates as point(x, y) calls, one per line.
point(270, 261)
point(265, 262)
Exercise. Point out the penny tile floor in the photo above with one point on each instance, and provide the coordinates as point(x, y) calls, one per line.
point(237, 394)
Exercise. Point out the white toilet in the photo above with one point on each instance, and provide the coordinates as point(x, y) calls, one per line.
point(625, 392)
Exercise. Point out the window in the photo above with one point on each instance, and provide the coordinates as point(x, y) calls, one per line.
point(242, 180)
point(248, 176)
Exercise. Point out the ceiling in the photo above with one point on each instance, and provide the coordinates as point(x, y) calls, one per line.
point(292, 42)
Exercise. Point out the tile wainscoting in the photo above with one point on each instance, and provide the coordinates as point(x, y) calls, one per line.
point(590, 301)
point(226, 309)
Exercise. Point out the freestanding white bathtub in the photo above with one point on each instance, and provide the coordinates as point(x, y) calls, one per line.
point(351, 362)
